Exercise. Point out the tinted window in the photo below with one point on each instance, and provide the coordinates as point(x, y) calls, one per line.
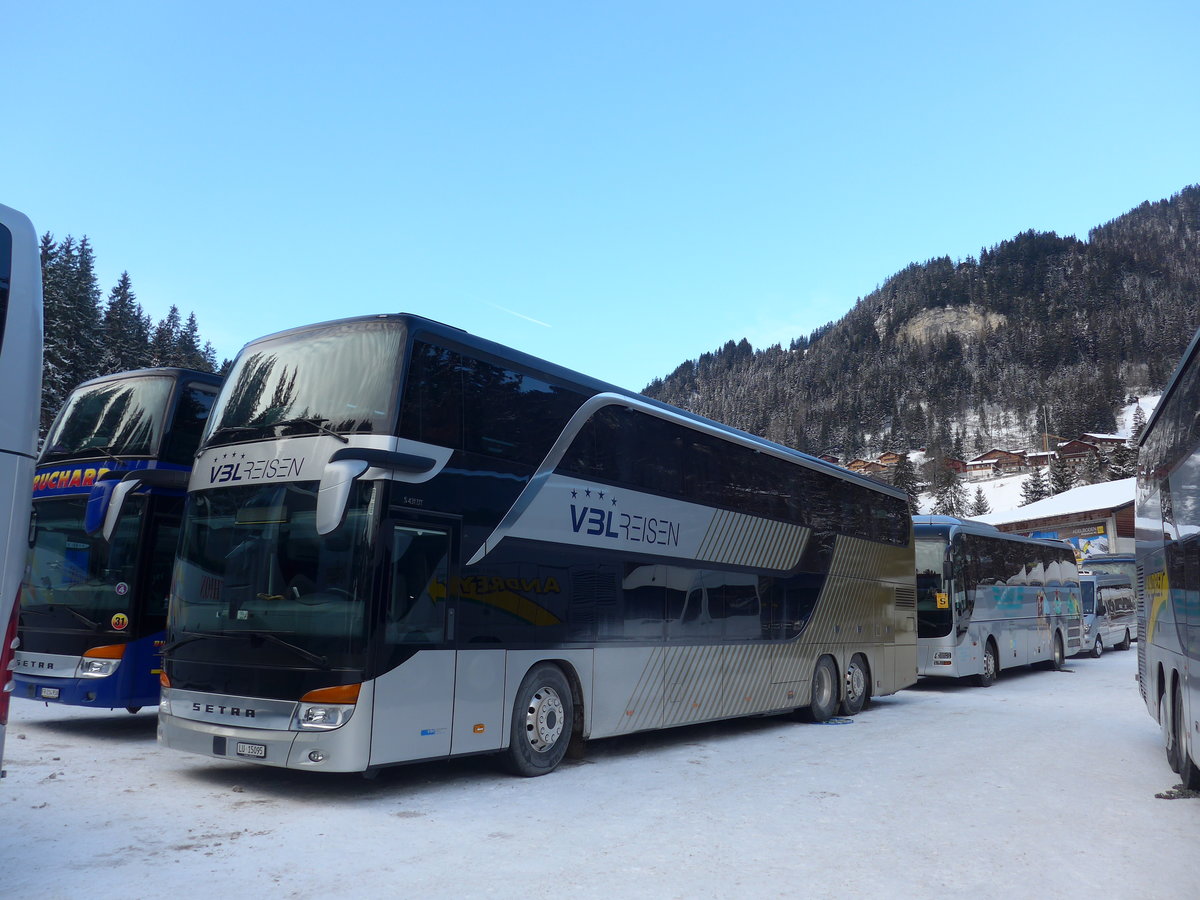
point(634, 449)
point(5, 277)
point(341, 377)
point(191, 415)
point(457, 401)
point(117, 418)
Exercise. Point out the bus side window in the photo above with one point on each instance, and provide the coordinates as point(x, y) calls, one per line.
point(165, 538)
point(417, 606)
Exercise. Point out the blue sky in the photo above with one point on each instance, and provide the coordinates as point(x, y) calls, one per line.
point(616, 187)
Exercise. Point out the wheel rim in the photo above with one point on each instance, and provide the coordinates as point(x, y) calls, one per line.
point(856, 683)
point(1099, 646)
point(1058, 652)
point(544, 719)
point(989, 664)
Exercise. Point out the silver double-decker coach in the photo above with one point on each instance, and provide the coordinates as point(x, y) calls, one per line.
point(403, 542)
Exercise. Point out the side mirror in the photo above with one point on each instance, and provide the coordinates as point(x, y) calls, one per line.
point(160, 478)
point(348, 465)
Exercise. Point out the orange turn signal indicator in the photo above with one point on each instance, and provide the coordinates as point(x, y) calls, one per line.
point(342, 693)
point(164, 680)
point(108, 651)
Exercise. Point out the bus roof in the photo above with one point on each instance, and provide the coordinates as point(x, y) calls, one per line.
point(172, 371)
point(943, 525)
point(452, 335)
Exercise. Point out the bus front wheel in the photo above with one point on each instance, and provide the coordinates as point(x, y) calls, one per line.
point(987, 677)
point(541, 722)
point(1057, 657)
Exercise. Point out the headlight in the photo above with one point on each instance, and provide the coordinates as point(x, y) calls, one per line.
point(322, 716)
point(90, 667)
point(326, 708)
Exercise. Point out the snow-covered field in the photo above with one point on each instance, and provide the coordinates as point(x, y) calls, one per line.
point(1041, 786)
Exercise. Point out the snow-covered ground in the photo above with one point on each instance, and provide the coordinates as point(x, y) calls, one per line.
point(1041, 786)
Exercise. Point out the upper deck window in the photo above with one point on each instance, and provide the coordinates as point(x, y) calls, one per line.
point(116, 418)
point(5, 276)
point(465, 403)
point(339, 377)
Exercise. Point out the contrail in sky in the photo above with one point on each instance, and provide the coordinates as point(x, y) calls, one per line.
point(519, 315)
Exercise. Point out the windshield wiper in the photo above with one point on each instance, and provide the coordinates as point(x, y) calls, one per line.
point(190, 636)
point(95, 626)
point(316, 422)
point(280, 642)
point(311, 657)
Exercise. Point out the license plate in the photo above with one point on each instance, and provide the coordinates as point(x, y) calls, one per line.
point(49, 693)
point(254, 751)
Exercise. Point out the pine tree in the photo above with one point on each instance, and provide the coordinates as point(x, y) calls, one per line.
point(71, 310)
point(164, 343)
point(126, 336)
point(1139, 424)
point(1093, 470)
point(951, 498)
point(904, 477)
point(1122, 463)
point(980, 505)
point(1034, 488)
point(1062, 476)
point(188, 352)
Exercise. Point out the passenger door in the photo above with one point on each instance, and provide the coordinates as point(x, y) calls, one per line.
point(414, 694)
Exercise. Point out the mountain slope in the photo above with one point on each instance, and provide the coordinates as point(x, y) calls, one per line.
point(1041, 333)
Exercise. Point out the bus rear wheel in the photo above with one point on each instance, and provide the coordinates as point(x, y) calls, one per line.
point(1188, 773)
point(824, 692)
point(1098, 647)
point(858, 686)
point(543, 713)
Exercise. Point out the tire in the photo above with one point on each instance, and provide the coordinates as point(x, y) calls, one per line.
point(1057, 657)
point(1167, 729)
point(991, 668)
point(824, 692)
point(543, 714)
point(1097, 648)
point(1124, 644)
point(1188, 773)
point(858, 686)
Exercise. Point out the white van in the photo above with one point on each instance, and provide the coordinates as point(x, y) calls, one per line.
point(1109, 613)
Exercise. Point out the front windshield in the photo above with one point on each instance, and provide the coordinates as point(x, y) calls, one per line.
point(251, 566)
point(1111, 567)
point(934, 617)
point(339, 377)
point(116, 418)
point(76, 582)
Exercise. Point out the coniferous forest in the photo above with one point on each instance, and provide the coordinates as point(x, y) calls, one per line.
point(1039, 334)
point(88, 335)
